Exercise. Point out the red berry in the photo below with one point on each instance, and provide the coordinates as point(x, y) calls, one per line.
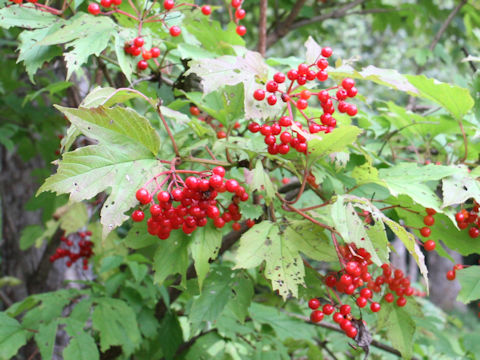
point(219, 170)
point(138, 41)
point(322, 64)
point(191, 182)
point(221, 135)
point(345, 309)
point(241, 30)
point(231, 185)
point(292, 75)
point(279, 77)
point(328, 309)
point(327, 52)
point(352, 110)
point(322, 75)
point(253, 127)
point(146, 54)
point(236, 226)
point(314, 304)
point(195, 111)
point(138, 215)
point(389, 297)
point(361, 302)
point(429, 245)
point(175, 31)
point(143, 196)
point(142, 65)
point(155, 52)
point(473, 232)
point(459, 217)
point(401, 301)
point(428, 220)
point(219, 222)
point(330, 281)
point(94, 8)
point(272, 100)
point(425, 231)
point(375, 307)
point(236, 3)
point(106, 3)
point(169, 4)
point(451, 275)
point(271, 86)
point(366, 293)
point(240, 14)
point(163, 196)
point(348, 83)
point(316, 316)
point(351, 332)
point(206, 10)
point(259, 94)
point(337, 317)
point(430, 211)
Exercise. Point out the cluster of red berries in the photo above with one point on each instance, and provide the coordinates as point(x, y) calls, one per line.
point(425, 231)
point(351, 280)
point(135, 48)
point(196, 198)
point(94, 8)
point(279, 140)
point(239, 15)
point(469, 219)
point(215, 125)
point(168, 5)
point(75, 250)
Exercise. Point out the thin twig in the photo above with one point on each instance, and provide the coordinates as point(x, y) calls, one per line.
point(167, 128)
point(283, 27)
point(262, 28)
point(336, 328)
point(445, 25)
point(465, 141)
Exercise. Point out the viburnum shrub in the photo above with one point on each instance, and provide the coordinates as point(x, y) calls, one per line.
point(236, 199)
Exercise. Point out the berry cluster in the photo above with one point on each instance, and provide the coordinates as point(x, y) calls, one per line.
point(278, 134)
point(425, 231)
point(135, 48)
point(469, 219)
point(239, 15)
point(168, 5)
point(196, 199)
point(356, 279)
point(75, 250)
point(215, 125)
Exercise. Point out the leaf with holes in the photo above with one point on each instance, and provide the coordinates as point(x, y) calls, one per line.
point(283, 263)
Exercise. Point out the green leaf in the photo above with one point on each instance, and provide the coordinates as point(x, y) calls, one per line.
point(125, 62)
point(138, 237)
point(399, 327)
point(261, 182)
point(231, 70)
point(74, 218)
point(171, 258)
point(45, 339)
point(212, 36)
point(410, 179)
point(170, 335)
point(335, 141)
point(117, 324)
point(205, 246)
point(108, 96)
point(243, 289)
point(469, 279)
point(25, 16)
point(458, 188)
point(87, 34)
point(29, 236)
point(216, 293)
point(81, 346)
point(283, 263)
point(90, 170)
point(12, 336)
point(455, 99)
point(352, 228)
point(284, 326)
point(116, 125)
point(34, 55)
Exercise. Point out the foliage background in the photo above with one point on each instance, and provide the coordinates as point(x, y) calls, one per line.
point(118, 310)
